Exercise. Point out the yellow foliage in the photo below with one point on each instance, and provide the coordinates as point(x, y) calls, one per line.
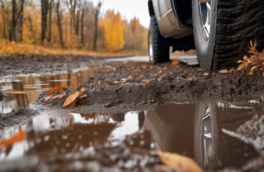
point(113, 31)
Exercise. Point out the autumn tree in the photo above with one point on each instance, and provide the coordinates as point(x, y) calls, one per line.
point(96, 17)
point(17, 9)
point(59, 18)
point(113, 31)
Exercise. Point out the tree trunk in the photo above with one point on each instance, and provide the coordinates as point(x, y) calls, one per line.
point(44, 12)
point(21, 25)
point(96, 15)
point(82, 26)
point(14, 25)
point(77, 23)
point(59, 23)
point(50, 20)
point(4, 19)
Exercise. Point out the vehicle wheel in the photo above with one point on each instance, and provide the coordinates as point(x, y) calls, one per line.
point(158, 46)
point(223, 30)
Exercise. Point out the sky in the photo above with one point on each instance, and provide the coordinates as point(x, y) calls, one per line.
point(129, 9)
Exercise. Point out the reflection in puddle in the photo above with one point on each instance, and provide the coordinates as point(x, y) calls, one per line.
point(23, 90)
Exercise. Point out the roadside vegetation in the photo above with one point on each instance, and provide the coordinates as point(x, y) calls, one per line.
point(71, 25)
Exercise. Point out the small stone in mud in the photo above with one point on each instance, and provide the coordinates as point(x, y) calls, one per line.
point(109, 104)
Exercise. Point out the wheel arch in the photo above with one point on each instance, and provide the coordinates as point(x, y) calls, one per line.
point(183, 9)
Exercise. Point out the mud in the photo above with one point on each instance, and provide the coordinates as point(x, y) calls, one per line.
point(175, 83)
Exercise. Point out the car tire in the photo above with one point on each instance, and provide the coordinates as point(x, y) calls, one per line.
point(159, 48)
point(232, 24)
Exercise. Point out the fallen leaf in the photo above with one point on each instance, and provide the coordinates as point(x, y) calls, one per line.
point(140, 76)
point(70, 100)
point(143, 67)
point(81, 91)
point(59, 96)
point(205, 74)
point(48, 98)
point(134, 76)
point(157, 74)
point(16, 138)
point(178, 162)
point(240, 61)
point(83, 96)
point(224, 71)
point(151, 66)
point(55, 89)
point(182, 76)
point(137, 70)
point(72, 104)
point(175, 62)
point(190, 79)
point(146, 81)
point(106, 83)
point(231, 70)
point(116, 82)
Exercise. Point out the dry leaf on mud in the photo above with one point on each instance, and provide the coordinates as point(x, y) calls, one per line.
point(146, 81)
point(179, 162)
point(174, 62)
point(151, 66)
point(83, 96)
point(71, 99)
point(224, 71)
point(190, 79)
point(48, 98)
point(108, 84)
point(55, 89)
point(205, 74)
point(137, 69)
point(81, 91)
point(116, 82)
point(157, 74)
point(134, 76)
point(231, 70)
point(143, 67)
point(16, 138)
point(59, 96)
point(182, 76)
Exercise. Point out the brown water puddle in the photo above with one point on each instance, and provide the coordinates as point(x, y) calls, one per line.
point(216, 135)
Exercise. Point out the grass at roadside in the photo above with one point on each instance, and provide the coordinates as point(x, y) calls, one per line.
point(8, 49)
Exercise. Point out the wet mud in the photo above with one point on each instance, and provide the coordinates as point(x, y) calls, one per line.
point(215, 119)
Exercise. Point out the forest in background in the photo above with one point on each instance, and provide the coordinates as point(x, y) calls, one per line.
point(70, 24)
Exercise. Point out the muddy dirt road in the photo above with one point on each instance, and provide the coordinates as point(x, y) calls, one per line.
point(130, 107)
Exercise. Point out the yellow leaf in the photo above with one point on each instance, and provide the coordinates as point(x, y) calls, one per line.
point(242, 66)
point(224, 71)
point(116, 82)
point(83, 96)
point(240, 61)
point(190, 79)
point(143, 67)
point(179, 163)
point(81, 91)
point(245, 58)
point(146, 81)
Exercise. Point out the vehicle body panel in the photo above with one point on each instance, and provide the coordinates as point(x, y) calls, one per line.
point(168, 21)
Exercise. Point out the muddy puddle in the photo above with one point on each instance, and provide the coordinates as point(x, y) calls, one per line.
point(217, 135)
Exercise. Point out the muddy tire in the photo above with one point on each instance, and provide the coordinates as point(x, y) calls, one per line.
point(158, 46)
point(232, 24)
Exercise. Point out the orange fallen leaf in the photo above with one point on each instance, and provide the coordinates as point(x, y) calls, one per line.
point(179, 162)
point(146, 81)
point(190, 79)
point(231, 70)
point(81, 91)
point(116, 82)
point(182, 76)
point(137, 70)
point(143, 67)
point(48, 98)
point(71, 99)
point(175, 62)
point(224, 71)
point(151, 66)
point(157, 74)
point(59, 96)
point(106, 83)
point(140, 76)
point(55, 89)
point(134, 76)
point(16, 138)
point(83, 96)
point(72, 104)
